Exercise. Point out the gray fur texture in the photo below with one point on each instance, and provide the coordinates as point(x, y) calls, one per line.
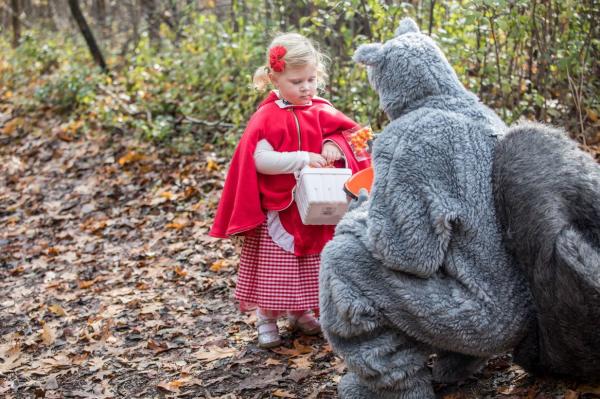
point(420, 267)
point(547, 194)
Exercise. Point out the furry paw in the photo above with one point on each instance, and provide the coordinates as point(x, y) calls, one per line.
point(363, 196)
point(350, 387)
point(452, 367)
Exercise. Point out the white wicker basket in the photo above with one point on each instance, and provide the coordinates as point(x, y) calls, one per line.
point(320, 194)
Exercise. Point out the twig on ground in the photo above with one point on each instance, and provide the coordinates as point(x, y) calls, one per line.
point(189, 119)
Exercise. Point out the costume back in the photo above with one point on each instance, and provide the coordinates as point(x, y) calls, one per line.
point(547, 194)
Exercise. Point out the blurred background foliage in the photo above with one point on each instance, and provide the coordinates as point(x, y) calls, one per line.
point(179, 71)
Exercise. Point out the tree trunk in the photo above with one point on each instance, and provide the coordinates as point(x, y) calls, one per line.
point(133, 12)
point(431, 16)
point(16, 23)
point(49, 13)
point(234, 20)
point(87, 34)
point(100, 11)
point(60, 18)
point(149, 7)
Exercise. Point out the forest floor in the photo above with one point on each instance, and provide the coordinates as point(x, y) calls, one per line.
point(111, 288)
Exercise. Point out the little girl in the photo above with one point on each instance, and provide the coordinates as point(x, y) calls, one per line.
point(292, 128)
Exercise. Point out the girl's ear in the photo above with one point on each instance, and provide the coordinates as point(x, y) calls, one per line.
point(273, 79)
point(369, 54)
point(407, 25)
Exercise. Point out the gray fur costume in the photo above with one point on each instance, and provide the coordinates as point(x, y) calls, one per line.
point(421, 267)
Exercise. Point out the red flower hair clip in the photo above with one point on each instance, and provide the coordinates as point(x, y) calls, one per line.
point(276, 61)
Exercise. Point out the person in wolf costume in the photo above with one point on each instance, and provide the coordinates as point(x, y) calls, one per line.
point(426, 265)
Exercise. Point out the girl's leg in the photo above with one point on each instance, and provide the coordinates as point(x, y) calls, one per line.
point(268, 332)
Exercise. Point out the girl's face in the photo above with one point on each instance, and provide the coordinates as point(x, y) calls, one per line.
point(298, 85)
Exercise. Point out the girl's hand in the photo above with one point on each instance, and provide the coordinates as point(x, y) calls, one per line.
point(316, 161)
point(331, 152)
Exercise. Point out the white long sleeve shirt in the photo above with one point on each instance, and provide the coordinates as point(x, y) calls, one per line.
point(271, 162)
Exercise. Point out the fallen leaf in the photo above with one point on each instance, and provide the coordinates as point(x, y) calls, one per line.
point(157, 347)
point(189, 192)
point(302, 362)
point(280, 393)
point(167, 195)
point(12, 125)
point(298, 349)
point(298, 374)
point(48, 334)
point(214, 353)
point(11, 363)
point(217, 266)
point(130, 157)
point(74, 126)
point(570, 394)
point(169, 386)
point(83, 284)
point(96, 363)
point(57, 310)
point(211, 165)
point(58, 361)
point(316, 392)
point(175, 226)
point(594, 389)
point(51, 383)
point(65, 135)
point(302, 348)
point(272, 362)
point(262, 380)
point(6, 386)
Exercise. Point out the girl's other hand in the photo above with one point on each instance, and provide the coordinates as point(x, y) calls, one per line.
point(331, 152)
point(316, 160)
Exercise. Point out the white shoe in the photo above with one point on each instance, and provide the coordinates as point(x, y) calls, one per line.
point(268, 333)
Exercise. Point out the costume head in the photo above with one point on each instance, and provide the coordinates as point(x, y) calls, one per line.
point(407, 68)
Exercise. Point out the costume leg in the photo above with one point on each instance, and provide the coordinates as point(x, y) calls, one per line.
point(383, 361)
point(451, 367)
point(350, 387)
point(384, 364)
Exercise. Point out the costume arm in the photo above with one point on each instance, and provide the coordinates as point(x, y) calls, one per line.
point(415, 206)
point(271, 162)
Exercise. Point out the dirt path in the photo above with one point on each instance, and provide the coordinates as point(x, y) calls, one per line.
point(110, 287)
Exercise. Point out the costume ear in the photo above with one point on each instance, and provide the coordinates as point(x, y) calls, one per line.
point(407, 25)
point(368, 54)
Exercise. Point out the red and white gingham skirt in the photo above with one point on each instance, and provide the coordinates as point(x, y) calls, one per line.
point(271, 278)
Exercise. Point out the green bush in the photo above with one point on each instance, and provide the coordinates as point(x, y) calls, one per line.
point(71, 89)
point(523, 58)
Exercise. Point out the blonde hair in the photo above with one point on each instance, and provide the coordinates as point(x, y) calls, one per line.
point(300, 51)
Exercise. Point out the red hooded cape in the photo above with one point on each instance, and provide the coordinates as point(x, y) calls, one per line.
point(247, 194)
